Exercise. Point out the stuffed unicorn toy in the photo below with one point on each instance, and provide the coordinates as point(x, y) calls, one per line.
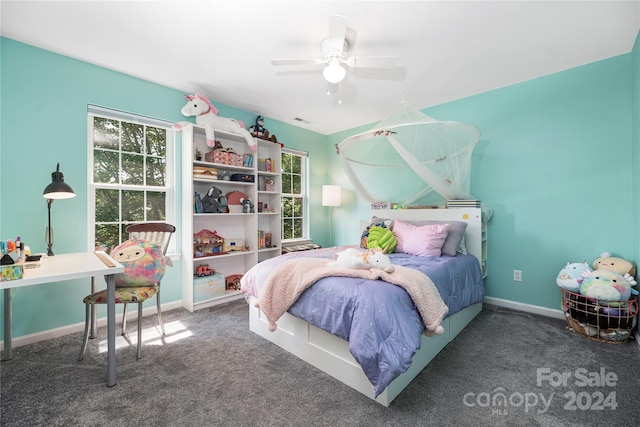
point(207, 116)
point(362, 260)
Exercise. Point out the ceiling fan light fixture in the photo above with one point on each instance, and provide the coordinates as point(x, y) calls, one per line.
point(334, 72)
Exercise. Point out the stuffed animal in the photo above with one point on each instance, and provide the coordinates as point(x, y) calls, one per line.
point(602, 308)
point(611, 263)
point(364, 238)
point(207, 116)
point(362, 260)
point(247, 205)
point(605, 285)
point(570, 277)
point(211, 201)
point(381, 238)
point(144, 263)
point(258, 130)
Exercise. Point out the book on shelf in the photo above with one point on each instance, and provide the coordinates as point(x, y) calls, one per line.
point(197, 203)
point(265, 165)
point(463, 203)
point(380, 205)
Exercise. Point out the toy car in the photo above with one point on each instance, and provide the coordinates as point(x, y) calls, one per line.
point(204, 270)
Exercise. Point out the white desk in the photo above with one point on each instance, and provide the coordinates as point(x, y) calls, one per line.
point(63, 267)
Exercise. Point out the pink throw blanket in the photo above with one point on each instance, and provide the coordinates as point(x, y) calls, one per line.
point(290, 279)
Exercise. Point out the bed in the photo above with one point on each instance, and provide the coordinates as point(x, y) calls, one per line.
point(321, 338)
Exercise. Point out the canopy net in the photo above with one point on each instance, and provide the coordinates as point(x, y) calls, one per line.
point(427, 160)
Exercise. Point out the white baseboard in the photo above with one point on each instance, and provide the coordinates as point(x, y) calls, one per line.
point(79, 327)
point(529, 308)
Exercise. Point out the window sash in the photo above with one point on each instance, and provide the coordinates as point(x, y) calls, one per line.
point(169, 179)
point(304, 216)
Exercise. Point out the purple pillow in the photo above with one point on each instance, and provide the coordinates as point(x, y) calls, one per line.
point(425, 240)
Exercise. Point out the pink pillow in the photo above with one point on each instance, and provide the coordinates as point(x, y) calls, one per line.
point(425, 240)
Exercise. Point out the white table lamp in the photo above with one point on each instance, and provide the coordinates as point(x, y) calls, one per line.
point(331, 197)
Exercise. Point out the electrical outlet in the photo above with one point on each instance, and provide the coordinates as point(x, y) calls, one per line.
point(517, 276)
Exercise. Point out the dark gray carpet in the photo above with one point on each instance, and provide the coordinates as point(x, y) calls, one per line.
point(224, 375)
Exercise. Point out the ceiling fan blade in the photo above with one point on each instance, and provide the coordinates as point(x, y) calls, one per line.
point(296, 61)
point(372, 61)
point(337, 31)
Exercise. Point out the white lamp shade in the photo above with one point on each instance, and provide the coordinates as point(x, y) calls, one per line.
point(331, 195)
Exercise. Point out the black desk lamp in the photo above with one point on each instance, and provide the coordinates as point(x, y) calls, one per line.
point(58, 189)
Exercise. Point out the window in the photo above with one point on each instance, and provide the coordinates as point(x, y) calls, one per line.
point(294, 205)
point(131, 178)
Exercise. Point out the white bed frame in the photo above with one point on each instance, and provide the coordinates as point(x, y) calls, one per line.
point(331, 354)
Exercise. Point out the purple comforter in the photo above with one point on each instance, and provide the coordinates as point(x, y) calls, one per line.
point(378, 319)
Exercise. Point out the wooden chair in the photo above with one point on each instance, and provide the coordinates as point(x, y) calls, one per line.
point(159, 233)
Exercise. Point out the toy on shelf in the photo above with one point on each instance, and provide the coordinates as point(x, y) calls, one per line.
point(211, 201)
point(258, 130)
point(234, 201)
point(234, 245)
point(204, 270)
point(206, 115)
point(247, 205)
point(207, 243)
point(232, 282)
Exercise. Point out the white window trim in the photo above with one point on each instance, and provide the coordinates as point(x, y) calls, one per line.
point(171, 179)
point(305, 196)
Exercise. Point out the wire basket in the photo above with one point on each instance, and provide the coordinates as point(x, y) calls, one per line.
point(606, 321)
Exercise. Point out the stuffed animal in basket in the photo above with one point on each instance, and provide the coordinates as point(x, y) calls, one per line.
point(605, 285)
point(362, 260)
point(606, 310)
point(611, 263)
point(206, 115)
point(143, 261)
point(570, 277)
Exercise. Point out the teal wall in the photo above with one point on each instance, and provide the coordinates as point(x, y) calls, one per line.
point(558, 161)
point(44, 121)
point(635, 96)
point(555, 161)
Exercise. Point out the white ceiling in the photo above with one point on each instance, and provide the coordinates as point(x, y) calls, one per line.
point(446, 50)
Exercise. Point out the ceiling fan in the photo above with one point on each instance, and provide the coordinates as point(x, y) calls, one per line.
point(334, 54)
